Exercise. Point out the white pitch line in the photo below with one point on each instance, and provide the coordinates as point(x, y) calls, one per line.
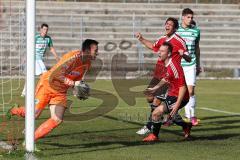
point(219, 111)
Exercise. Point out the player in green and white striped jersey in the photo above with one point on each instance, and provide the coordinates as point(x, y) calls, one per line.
point(191, 34)
point(42, 42)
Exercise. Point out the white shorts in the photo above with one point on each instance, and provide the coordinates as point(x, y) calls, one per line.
point(40, 67)
point(190, 75)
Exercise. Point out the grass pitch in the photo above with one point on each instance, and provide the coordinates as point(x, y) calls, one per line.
point(103, 127)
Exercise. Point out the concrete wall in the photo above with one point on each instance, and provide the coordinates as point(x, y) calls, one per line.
point(113, 24)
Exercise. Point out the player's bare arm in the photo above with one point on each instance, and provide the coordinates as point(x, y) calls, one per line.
point(182, 91)
point(198, 67)
point(144, 41)
point(53, 51)
point(185, 56)
point(152, 90)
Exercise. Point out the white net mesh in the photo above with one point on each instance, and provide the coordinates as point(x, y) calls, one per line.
point(12, 49)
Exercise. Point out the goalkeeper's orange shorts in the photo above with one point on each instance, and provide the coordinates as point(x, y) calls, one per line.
point(45, 95)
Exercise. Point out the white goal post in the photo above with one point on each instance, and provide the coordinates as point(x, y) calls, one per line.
point(30, 81)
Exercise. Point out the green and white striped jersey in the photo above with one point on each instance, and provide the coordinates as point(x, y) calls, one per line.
point(42, 43)
point(191, 36)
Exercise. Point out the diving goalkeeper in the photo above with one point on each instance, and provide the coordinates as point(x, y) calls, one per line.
point(53, 85)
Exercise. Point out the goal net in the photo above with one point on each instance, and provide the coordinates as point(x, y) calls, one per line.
point(12, 52)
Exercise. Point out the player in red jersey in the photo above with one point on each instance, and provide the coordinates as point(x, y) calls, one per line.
point(53, 85)
point(177, 96)
point(171, 26)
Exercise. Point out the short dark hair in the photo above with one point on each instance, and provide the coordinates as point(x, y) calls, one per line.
point(87, 44)
point(175, 22)
point(44, 25)
point(169, 45)
point(187, 11)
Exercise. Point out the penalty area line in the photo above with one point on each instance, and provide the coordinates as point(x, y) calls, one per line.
point(219, 111)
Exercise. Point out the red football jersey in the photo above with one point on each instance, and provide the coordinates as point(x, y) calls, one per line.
point(175, 78)
point(178, 44)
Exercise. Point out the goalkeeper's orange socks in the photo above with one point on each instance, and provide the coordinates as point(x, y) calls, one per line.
point(45, 128)
point(19, 111)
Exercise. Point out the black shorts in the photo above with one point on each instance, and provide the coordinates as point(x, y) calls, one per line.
point(160, 91)
point(171, 100)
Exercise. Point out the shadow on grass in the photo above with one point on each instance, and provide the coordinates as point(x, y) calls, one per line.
point(98, 146)
point(138, 124)
point(220, 123)
point(111, 145)
point(113, 139)
point(219, 117)
point(214, 137)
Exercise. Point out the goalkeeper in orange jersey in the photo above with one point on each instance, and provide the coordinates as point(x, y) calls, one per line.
point(53, 85)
